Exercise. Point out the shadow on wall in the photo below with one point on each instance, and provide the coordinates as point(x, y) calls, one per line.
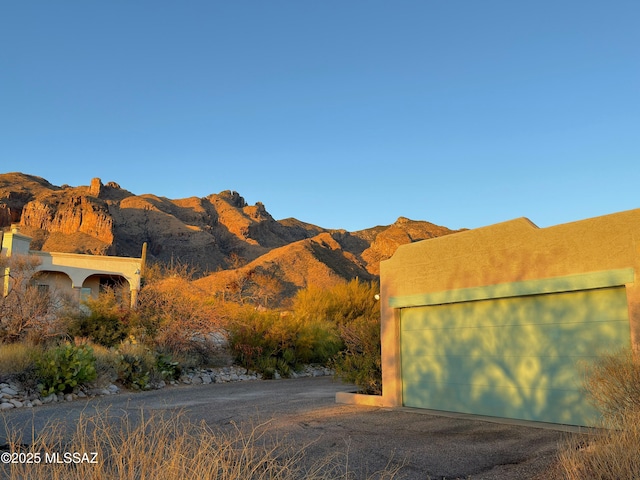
point(519, 357)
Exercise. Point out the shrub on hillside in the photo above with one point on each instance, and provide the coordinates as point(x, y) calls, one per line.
point(177, 319)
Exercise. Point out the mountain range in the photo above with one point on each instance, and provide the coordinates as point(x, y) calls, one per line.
point(220, 236)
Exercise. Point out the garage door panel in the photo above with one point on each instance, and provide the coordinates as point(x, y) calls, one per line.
point(522, 372)
point(582, 306)
point(527, 364)
point(558, 405)
point(550, 340)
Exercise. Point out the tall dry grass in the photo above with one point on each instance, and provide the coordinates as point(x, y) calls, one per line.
point(613, 451)
point(613, 385)
point(612, 454)
point(168, 446)
point(17, 357)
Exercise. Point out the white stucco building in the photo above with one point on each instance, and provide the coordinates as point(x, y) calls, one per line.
point(82, 275)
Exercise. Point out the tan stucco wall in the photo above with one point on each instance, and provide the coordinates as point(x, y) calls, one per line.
point(15, 243)
point(78, 268)
point(55, 280)
point(507, 252)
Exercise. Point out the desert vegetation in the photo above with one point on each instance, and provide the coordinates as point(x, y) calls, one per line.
point(167, 447)
point(52, 344)
point(611, 451)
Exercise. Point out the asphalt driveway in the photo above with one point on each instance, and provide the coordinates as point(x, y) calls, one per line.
point(302, 412)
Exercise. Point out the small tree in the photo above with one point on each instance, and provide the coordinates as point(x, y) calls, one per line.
point(267, 286)
point(26, 309)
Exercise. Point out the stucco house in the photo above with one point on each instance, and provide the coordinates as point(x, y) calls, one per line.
point(82, 275)
point(501, 320)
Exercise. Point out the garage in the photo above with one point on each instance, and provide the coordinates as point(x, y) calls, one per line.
point(519, 357)
point(502, 320)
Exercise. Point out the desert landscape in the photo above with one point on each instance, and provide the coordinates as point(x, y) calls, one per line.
point(228, 299)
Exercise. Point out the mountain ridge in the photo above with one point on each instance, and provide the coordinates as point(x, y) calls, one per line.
point(220, 235)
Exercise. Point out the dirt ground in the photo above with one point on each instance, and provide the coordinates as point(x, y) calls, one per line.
point(302, 414)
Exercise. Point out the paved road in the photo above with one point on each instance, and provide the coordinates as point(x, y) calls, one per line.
point(303, 412)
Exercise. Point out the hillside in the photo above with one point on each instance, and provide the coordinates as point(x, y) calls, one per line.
point(218, 233)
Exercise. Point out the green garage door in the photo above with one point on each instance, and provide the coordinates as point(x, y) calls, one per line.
point(518, 357)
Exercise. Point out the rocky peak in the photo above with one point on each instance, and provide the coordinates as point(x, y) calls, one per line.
point(95, 188)
point(233, 198)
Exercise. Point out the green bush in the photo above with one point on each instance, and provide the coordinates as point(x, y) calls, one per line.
point(136, 365)
point(66, 367)
point(340, 304)
point(269, 342)
point(166, 367)
point(107, 323)
point(352, 309)
point(360, 362)
point(338, 326)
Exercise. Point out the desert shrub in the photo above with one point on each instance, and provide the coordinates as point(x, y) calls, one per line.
point(27, 311)
point(271, 342)
point(251, 339)
point(167, 367)
point(107, 364)
point(613, 385)
point(198, 353)
point(136, 365)
point(340, 304)
point(611, 454)
point(175, 316)
point(107, 322)
point(354, 311)
point(315, 341)
point(17, 357)
point(360, 361)
point(17, 362)
point(63, 368)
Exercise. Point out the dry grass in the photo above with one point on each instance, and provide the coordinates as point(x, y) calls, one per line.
point(167, 447)
point(17, 357)
point(613, 453)
point(613, 384)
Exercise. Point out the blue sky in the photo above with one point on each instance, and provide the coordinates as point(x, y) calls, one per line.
point(344, 114)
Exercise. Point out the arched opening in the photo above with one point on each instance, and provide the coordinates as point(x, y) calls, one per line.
point(95, 284)
point(49, 281)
